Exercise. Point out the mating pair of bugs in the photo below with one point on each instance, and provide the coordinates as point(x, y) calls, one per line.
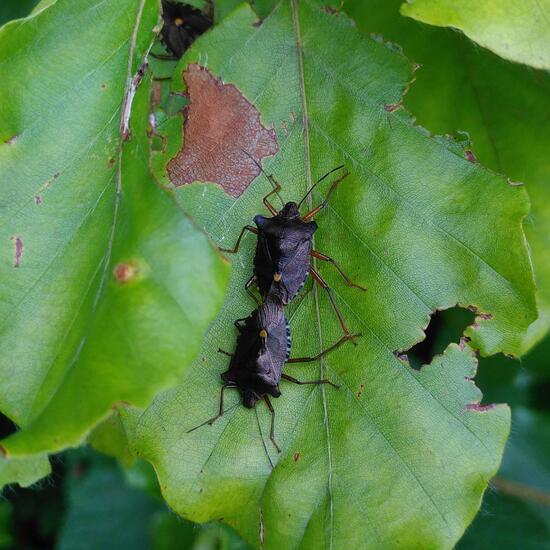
point(282, 262)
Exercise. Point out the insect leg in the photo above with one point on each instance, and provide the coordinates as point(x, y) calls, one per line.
point(325, 258)
point(272, 430)
point(248, 286)
point(272, 180)
point(324, 285)
point(220, 350)
point(276, 190)
point(220, 413)
point(309, 359)
point(316, 210)
point(236, 247)
point(300, 382)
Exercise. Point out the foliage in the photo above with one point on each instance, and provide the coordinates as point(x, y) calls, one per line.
point(398, 221)
point(514, 30)
point(104, 306)
point(108, 286)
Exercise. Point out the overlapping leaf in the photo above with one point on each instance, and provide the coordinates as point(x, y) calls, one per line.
point(106, 287)
point(518, 31)
point(503, 106)
point(395, 458)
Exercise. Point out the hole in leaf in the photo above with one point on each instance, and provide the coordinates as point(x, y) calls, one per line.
point(445, 326)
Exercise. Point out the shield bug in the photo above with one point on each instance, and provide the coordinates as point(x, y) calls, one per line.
point(256, 366)
point(284, 248)
point(182, 25)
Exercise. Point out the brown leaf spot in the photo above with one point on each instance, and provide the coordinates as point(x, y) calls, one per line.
point(38, 199)
point(296, 456)
point(3, 452)
point(464, 341)
point(285, 128)
point(391, 107)
point(261, 529)
point(470, 156)
point(478, 407)
point(360, 390)
point(222, 131)
point(124, 272)
point(18, 244)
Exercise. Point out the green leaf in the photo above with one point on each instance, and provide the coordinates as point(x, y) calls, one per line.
point(503, 106)
point(23, 471)
point(107, 288)
point(519, 31)
point(110, 438)
point(395, 457)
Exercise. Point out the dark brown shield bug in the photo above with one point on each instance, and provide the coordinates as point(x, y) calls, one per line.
point(256, 366)
point(182, 25)
point(284, 248)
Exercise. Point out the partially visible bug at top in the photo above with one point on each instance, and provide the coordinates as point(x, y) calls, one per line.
point(256, 366)
point(182, 25)
point(284, 248)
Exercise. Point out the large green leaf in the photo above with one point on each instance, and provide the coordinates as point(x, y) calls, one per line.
point(395, 457)
point(503, 106)
point(106, 287)
point(519, 31)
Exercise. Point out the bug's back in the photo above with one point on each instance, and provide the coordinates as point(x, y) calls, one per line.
point(263, 346)
point(283, 255)
point(182, 25)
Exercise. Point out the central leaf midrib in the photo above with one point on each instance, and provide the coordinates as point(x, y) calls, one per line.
point(307, 161)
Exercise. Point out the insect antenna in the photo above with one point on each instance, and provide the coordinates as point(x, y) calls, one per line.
point(270, 178)
point(317, 183)
point(262, 438)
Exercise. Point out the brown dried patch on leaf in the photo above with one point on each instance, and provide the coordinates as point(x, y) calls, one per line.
point(18, 250)
point(222, 131)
